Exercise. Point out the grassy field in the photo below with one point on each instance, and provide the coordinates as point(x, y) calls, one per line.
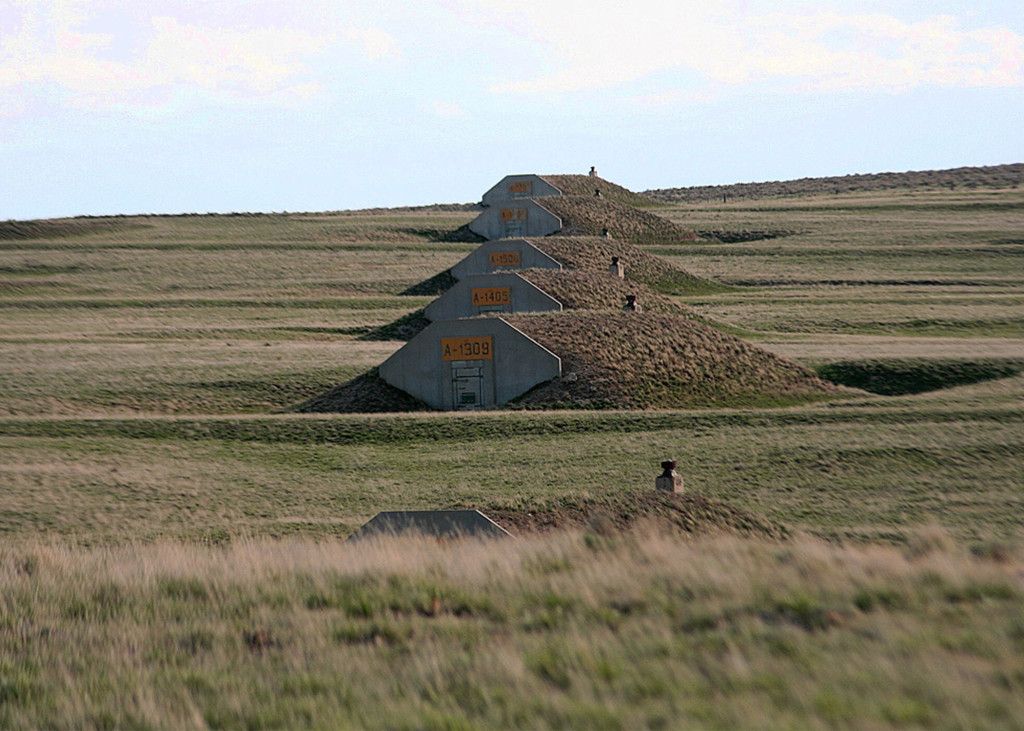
point(147, 366)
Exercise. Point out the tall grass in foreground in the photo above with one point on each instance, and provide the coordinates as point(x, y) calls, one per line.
point(569, 630)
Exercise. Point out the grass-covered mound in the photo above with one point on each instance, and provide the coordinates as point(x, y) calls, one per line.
point(365, 394)
point(651, 360)
point(594, 254)
point(584, 185)
point(903, 376)
point(587, 216)
point(586, 290)
point(625, 510)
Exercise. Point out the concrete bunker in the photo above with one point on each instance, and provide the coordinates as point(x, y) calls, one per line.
point(511, 218)
point(443, 524)
point(470, 364)
point(479, 294)
point(504, 255)
point(516, 187)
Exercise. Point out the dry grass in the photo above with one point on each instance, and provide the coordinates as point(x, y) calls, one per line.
point(587, 216)
point(995, 176)
point(649, 360)
point(591, 290)
point(585, 186)
point(566, 631)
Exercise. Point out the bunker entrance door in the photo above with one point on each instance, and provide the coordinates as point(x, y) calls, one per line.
point(468, 385)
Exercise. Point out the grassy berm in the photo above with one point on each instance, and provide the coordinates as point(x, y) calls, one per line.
point(588, 215)
point(649, 360)
point(569, 630)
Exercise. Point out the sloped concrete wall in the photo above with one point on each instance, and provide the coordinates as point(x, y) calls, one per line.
point(478, 294)
point(503, 255)
point(512, 365)
point(515, 187)
point(511, 218)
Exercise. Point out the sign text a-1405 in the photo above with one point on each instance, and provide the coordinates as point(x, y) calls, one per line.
point(472, 348)
point(485, 296)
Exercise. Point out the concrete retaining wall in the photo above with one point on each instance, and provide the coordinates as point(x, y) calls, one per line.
point(479, 294)
point(470, 364)
point(515, 187)
point(511, 218)
point(503, 255)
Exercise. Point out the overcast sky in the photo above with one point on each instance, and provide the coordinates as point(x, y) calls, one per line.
point(271, 106)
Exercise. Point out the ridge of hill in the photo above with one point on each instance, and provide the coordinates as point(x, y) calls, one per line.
point(992, 176)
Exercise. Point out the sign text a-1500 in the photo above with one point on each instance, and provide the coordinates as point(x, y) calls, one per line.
point(473, 348)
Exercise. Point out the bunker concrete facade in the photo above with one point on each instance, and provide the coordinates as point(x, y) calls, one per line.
point(511, 218)
point(470, 364)
point(503, 255)
point(479, 294)
point(517, 187)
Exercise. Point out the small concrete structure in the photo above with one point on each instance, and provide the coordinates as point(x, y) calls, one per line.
point(477, 363)
point(516, 187)
point(478, 294)
point(432, 524)
point(617, 268)
point(510, 218)
point(668, 480)
point(503, 255)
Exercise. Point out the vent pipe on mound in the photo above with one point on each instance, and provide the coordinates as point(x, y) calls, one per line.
point(617, 269)
point(605, 233)
point(669, 480)
point(631, 304)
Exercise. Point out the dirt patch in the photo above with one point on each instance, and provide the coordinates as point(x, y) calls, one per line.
point(746, 234)
point(588, 216)
point(365, 394)
point(584, 185)
point(682, 512)
point(628, 360)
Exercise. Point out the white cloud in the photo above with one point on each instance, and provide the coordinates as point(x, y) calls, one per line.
point(54, 47)
point(594, 45)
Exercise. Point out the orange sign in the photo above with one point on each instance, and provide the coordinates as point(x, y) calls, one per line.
point(505, 259)
point(480, 348)
point(522, 186)
point(486, 296)
point(513, 214)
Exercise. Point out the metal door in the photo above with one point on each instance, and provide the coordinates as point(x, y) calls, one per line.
point(467, 386)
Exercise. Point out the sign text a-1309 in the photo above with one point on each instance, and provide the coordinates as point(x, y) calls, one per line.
point(472, 348)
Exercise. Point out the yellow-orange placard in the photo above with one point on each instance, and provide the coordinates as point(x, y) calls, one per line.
point(513, 214)
point(485, 296)
point(478, 348)
point(505, 259)
point(522, 186)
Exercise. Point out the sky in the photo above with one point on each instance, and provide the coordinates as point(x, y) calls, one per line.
point(139, 106)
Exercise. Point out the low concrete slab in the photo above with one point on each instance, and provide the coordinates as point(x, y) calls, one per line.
point(512, 218)
point(517, 187)
point(431, 523)
point(477, 363)
point(479, 294)
point(504, 255)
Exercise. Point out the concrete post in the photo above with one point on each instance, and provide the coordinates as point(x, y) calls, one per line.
point(669, 480)
point(617, 269)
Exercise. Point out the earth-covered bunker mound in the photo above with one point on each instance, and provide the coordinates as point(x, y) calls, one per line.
point(594, 254)
point(585, 185)
point(652, 360)
point(587, 290)
point(589, 216)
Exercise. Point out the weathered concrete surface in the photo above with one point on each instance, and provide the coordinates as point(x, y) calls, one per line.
point(431, 523)
point(479, 294)
point(504, 255)
point(470, 364)
point(511, 218)
point(516, 187)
